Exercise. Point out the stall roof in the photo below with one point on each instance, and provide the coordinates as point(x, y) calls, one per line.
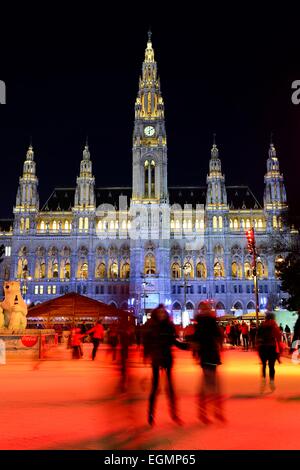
point(74, 305)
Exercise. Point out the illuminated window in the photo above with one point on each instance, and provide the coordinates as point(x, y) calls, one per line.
point(80, 226)
point(215, 222)
point(176, 271)
point(201, 270)
point(247, 270)
point(27, 224)
point(125, 270)
point(86, 224)
point(42, 226)
point(36, 290)
point(152, 169)
point(113, 270)
point(41, 290)
point(150, 264)
point(54, 226)
point(146, 173)
point(8, 251)
point(220, 222)
point(248, 223)
point(236, 224)
point(84, 271)
point(101, 271)
point(53, 289)
point(66, 226)
point(48, 290)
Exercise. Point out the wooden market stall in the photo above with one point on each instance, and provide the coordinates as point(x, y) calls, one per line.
point(70, 309)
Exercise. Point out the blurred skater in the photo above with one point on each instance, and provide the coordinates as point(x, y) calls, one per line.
point(76, 343)
point(159, 338)
point(125, 339)
point(113, 340)
point(245, 335)
point(209, 343)
point(269, 343)
point(98, 335)
point(252, 335)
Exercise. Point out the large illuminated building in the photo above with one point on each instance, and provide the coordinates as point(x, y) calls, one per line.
point(68, 244)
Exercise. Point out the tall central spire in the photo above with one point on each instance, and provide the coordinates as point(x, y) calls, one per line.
point(149, 103)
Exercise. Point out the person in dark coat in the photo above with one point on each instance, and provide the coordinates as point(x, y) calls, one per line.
point(208, 339)
point(296, 335)
point(269, 338)
point(158, 338)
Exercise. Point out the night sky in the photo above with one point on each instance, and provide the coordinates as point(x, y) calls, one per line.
point(75, 72)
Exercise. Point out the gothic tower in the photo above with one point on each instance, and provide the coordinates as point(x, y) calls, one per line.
point(149, 136)
point(150, 253)
point(27, 200)
point(275, 201)
point(216, 197)
point(84, 201)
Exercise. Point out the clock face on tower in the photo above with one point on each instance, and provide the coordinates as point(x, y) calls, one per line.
point(149, 131)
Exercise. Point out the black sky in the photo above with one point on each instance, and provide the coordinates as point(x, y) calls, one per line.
point(75, 71)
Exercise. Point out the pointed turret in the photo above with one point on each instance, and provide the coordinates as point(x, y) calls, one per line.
point(85, 189)
point(216, 197)
point(27, 200)
point(275, 200)
point(149, 135)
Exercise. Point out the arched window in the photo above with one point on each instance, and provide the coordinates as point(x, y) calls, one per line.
point(260, 270)
point(42, 226)
point(236, 270)
point(84, 271)
point(172, 224)
point(220, 222)
point(230, 223)
point(215, 222)
point(259, 224)
point(150, 264)
point(248, 223)
point(66, 226)
point(113, 270)
point(250, 307)
point(27, 224)
point(146, 173)
point(125, 270)
point(42, 273)
point(101, 270)
point(274, 221)
point(55, 269)
point(22, 270)
point(247, 270)
point(152, 169)
point(218, 270)
point(176, 271)
point(86, 224)
point(201, 224)
point(22, 224)
point(236, 224)
point(201, 270)
point(54, 226)
point(80, 224)
point(67, 270)
point(188, 269)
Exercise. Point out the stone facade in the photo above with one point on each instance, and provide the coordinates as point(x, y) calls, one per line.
point(150, 243)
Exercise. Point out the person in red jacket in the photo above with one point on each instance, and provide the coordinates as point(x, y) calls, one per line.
point(76, 343)
point(245, 335)
point(98, 335)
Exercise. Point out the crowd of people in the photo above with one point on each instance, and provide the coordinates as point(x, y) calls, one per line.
point(205, 338)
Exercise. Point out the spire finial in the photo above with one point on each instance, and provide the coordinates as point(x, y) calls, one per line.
point(87, 141)
point(214, 138)
point(272, 138)
point(30, 141)
point(149, 34)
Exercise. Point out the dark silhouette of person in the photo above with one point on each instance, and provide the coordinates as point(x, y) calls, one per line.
point(159, 337)
point(269, 338)
point(208, 339)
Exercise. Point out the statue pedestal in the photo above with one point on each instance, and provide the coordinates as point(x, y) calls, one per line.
point(27, 344)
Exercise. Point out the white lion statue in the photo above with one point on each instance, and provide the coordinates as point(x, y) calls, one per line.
point(13, 309)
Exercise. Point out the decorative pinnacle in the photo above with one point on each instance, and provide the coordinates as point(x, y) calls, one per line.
point(214, 138)
point(87, 141)
point(271, 138)
point(149, 35)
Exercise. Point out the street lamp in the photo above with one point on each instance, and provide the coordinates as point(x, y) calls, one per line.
point(185, 267)
point(252, 250)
